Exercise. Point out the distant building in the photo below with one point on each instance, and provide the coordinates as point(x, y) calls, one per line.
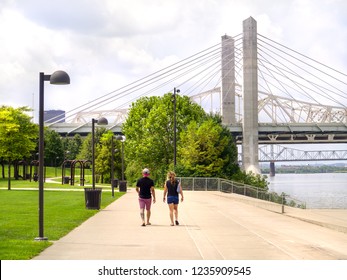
point(52, 116)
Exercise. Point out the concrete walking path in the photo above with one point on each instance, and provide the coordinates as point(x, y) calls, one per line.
point(213, 226)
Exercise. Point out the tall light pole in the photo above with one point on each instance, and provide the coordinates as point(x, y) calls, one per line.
point(101, 121)
point(113, 185)
point(93, 195)
point(57, 78)
point(122, 139)
point(175, 124)
point(112, 164)
point(122, 183)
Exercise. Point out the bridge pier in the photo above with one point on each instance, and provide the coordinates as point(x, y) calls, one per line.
point(228, 80)
point(250, 157)
point(272, 169)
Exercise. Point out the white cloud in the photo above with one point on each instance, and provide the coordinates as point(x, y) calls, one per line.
point(106, 44)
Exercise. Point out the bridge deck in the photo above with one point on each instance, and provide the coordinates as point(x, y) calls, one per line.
point(268, 133)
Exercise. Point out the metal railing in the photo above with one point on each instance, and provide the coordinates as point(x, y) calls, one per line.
point(229, 186)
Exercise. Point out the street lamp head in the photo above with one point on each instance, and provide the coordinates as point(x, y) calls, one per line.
point(59, 78)
point(102, 121)
point(120, 138)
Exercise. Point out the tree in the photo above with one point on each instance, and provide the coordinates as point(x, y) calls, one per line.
point(149, 133)
point(104, 157)
point(231, 166)
point(204, 149)
point(85, 146)
point(18, 135)
point(54, 152)
point(74, 146)
point(85, 152)
point(252, 179)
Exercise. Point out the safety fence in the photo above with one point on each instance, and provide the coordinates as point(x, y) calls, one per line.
point(228, 186)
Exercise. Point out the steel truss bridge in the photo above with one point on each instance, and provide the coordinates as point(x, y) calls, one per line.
point(278, 153)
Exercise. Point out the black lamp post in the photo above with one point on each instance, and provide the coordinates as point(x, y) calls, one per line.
point(112, 164)
point(175, 124)
point(101, 121)
point(113, 181)
point(122, 183)
point(57, 78)
point(122, 139)
point(93, 195)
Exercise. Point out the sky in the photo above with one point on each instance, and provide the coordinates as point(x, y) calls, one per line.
point(106, 44)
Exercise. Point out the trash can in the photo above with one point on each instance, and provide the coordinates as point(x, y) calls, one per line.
point(66, 180)
point(92, 198)
point(122, 186)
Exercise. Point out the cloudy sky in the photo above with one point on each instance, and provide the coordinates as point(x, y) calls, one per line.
point(106, 44)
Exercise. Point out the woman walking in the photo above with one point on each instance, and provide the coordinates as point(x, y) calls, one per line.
point(172, 189)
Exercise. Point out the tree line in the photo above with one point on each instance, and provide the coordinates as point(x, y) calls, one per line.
point(204, 146)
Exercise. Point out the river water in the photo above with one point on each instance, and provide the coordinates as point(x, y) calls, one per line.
point(319, 190)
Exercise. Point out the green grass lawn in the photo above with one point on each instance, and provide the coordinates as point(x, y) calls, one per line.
point(63, 211)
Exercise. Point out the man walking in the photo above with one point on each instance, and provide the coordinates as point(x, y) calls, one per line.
point(145, 190)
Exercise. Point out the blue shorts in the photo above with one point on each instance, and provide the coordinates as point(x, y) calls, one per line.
point(172, 199)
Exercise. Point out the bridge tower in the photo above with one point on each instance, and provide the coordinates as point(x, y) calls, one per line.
point(250, 149)
point(228, 80)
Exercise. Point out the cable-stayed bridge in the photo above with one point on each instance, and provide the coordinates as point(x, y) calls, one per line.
point(266, 93)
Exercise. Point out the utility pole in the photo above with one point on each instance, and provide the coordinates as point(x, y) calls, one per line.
point(175, 124)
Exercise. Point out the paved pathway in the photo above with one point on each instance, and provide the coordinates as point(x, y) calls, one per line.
point(213, 226)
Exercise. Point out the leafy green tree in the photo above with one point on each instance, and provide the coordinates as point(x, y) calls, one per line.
point(103, 157)
point(203, 149)
point(85, 152)
point(85, 146)
point(54, 152)
point(72, 146)
point(250, 178)
point(103, 160)
point(18, 135)
point(230, 151)
point(149, 133)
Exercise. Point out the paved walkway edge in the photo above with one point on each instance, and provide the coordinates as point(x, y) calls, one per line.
point(335, 219)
